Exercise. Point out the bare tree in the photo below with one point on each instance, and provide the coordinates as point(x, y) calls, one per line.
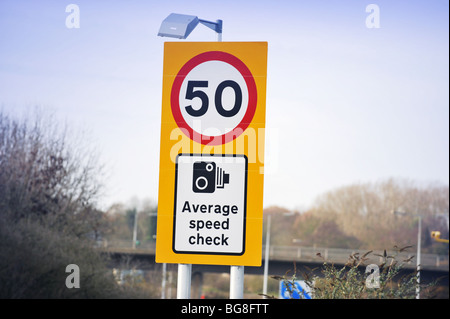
point(42, 176)
point(364, 210)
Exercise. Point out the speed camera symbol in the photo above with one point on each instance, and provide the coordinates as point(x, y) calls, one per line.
point(207, 176)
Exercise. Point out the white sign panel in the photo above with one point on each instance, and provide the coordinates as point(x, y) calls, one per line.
point(210, 204)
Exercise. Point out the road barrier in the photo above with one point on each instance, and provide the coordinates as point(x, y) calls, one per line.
point(308, 254)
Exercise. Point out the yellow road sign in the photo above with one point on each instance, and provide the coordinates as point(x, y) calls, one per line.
point(212, 153)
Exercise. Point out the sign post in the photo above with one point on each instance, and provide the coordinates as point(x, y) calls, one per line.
point(184, 281)
point(237, 282)
point(212, 155)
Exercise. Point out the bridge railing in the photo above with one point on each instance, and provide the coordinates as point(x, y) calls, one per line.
point(341, 256)
point(126, 246)
point(306, 254)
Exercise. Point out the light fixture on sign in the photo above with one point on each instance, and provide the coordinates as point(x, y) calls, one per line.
point(181, 25)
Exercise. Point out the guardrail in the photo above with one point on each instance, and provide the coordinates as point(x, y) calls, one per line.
point(307, 254)
point(341, 256)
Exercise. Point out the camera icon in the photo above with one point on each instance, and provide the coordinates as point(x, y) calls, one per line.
point(207, 176)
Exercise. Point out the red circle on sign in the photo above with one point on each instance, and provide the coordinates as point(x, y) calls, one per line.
point(252, 98)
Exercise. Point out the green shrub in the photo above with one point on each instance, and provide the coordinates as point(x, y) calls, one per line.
point(352, 282)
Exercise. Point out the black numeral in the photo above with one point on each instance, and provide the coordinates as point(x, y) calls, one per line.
point(191, 94)
point(237, 101)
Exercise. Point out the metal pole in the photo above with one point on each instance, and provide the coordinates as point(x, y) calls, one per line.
point(266, 258)
point(419, 233)
point(135, 228)
point(219, 34)
point(163, 285)
point(169, 295)
point(237, 282)
point(184, 281)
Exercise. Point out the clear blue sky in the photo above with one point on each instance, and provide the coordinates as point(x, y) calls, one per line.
point(345, 103)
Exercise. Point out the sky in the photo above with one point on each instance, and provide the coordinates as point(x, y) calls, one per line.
point(350, 99)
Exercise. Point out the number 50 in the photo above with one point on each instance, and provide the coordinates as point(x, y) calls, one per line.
point(191, 93)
